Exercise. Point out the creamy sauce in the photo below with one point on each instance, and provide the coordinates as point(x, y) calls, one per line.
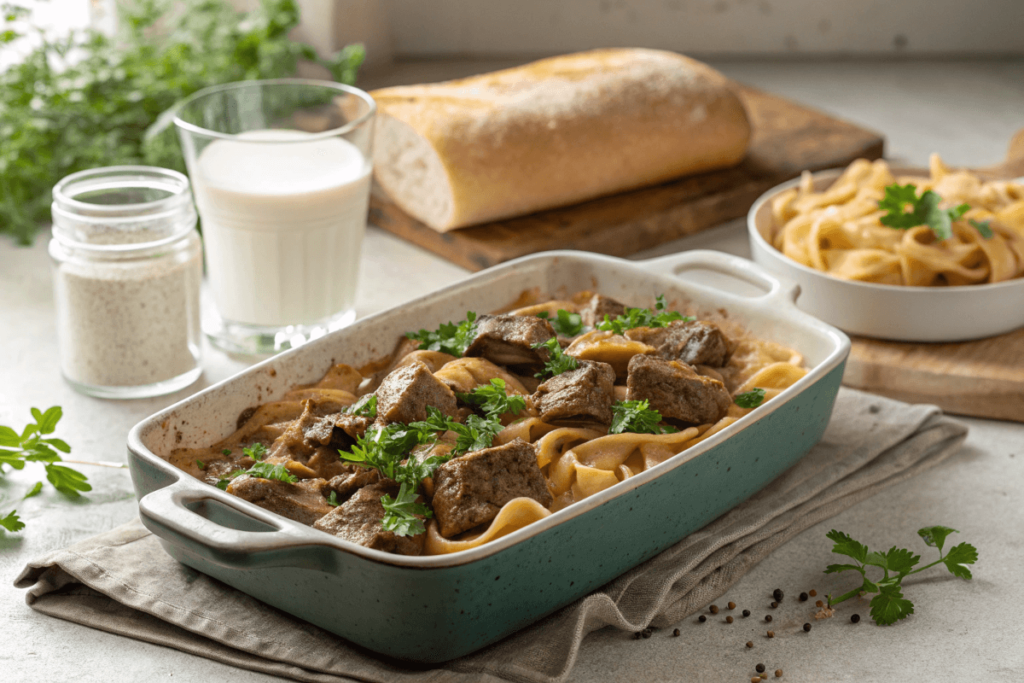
point(283, 225)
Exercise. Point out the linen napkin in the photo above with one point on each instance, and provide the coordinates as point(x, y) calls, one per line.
point(123, 582)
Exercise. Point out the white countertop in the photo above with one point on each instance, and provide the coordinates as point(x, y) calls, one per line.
point(960, 631)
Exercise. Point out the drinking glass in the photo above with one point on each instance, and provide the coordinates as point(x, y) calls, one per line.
point(280, 171)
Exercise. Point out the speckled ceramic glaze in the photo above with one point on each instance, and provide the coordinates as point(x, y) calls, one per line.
point(432, 609)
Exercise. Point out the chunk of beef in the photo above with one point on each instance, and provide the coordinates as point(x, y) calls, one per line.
point(579, 397)
point(696, 342)
point(303, 501)
point(676, 391)
point(509, 340)
point(350, 478)
point(359, 520)
point(326, 463)
point(470, 490)
point(404, 395)
point(598, 307)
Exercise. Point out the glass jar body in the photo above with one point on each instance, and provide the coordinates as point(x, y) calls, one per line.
point(126, 285)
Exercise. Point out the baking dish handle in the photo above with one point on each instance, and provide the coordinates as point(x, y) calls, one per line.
point(171, 513)
point(780, 290)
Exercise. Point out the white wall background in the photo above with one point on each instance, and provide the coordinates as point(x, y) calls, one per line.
point(794, 28)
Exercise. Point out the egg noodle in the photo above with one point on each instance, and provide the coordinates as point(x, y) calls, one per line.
point(838, 231)
point(576, 462)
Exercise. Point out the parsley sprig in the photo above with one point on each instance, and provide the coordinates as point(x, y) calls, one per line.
point(558, 361)
point(984, 227)
point(30, 446)
point(263, 470)
point(451, 338)
point(750, 399)
point(637, 417)
point(364, 407)
point(643, 317)
point(400, 512)
point(565, 323)
point(924, 210)
point(494, 398)
point(889, 606)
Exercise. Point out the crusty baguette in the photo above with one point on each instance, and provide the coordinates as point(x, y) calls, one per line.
point(552, 133)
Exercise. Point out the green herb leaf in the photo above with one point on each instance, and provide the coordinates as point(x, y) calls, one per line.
point(558, 360)
point(332, 499)
point(365, 407)
point(255, 452)
point(222, 484)
point(226, 451)
point(984, 227)
point(889, 606)
point(277, 472)
point(67, 480)
point(643, 317)
point(200, 464)
point(400, 512)
point(935, 536)
point(900, 560)
point(837, 568)
point(958, 557)
point(750, 399)
point(494, 399)
point(12, 522)
point(637, 417)
point(844, 545)
point(924, 210)
point(34, 491)
point(567, 324)
point(450, 338)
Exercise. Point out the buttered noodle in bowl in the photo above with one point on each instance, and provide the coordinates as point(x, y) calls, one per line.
point(839, 230)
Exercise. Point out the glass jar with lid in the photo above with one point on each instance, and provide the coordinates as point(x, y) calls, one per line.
point(127, 271)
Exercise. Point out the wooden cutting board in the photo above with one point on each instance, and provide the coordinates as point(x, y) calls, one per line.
point(787, 138)
point(983, 378)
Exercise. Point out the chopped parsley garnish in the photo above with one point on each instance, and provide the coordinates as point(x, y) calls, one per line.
point(200, 464)
point(924, 210)
point(565, 323)
point(558, 361)
point(637, 417)
point(889, 606)
point(400, 512)
point(494, 398)
point(451, 338)
point(226, 451)
point(255, 452)
point(643, 317)
point(266, 470)
point(332, 499)
point(476, 434)
point(365, 407)
point(750, 399)
point(984, 227)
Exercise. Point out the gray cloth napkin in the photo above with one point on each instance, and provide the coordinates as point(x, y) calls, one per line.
point(123, 582)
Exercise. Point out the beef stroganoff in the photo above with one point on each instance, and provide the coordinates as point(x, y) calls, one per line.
point(479, 428)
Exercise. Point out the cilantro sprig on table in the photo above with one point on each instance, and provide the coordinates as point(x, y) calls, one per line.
point(558, 360)
point(451, 338)
point(643, 317)
point(564, 323)
point(16, 450)
point(637, 417)
point(924, 210)
point(889, 605)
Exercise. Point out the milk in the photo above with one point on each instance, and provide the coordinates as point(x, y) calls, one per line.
point(283, 224)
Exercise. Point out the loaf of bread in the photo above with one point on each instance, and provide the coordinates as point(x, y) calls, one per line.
point(552, 133)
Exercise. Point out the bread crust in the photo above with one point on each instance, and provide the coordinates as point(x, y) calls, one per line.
point(554, 132)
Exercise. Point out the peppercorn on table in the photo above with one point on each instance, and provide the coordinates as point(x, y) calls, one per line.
point(960, 630)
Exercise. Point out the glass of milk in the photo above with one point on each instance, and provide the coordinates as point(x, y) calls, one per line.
point(280, 171)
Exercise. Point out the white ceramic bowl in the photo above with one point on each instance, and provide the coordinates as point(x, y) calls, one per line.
point(901, 313)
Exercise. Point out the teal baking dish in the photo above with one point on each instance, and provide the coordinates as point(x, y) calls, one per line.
point(432, 609)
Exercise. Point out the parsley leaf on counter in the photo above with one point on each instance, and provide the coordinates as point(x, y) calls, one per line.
point(400, 512)
point(565, 323)
point(494, 399)
point(924, 210)
point(750, 399)
point(558, 361)
point(12, 522)
point(266, 470)
point(365, 407)
point(984, 227)
point(34, 491)
point(637, 417)
point(643, 317)
point(451, 338)
point(889, 605)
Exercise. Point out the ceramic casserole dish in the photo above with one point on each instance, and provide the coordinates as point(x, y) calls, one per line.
point(897, 312)
point(436, 608)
